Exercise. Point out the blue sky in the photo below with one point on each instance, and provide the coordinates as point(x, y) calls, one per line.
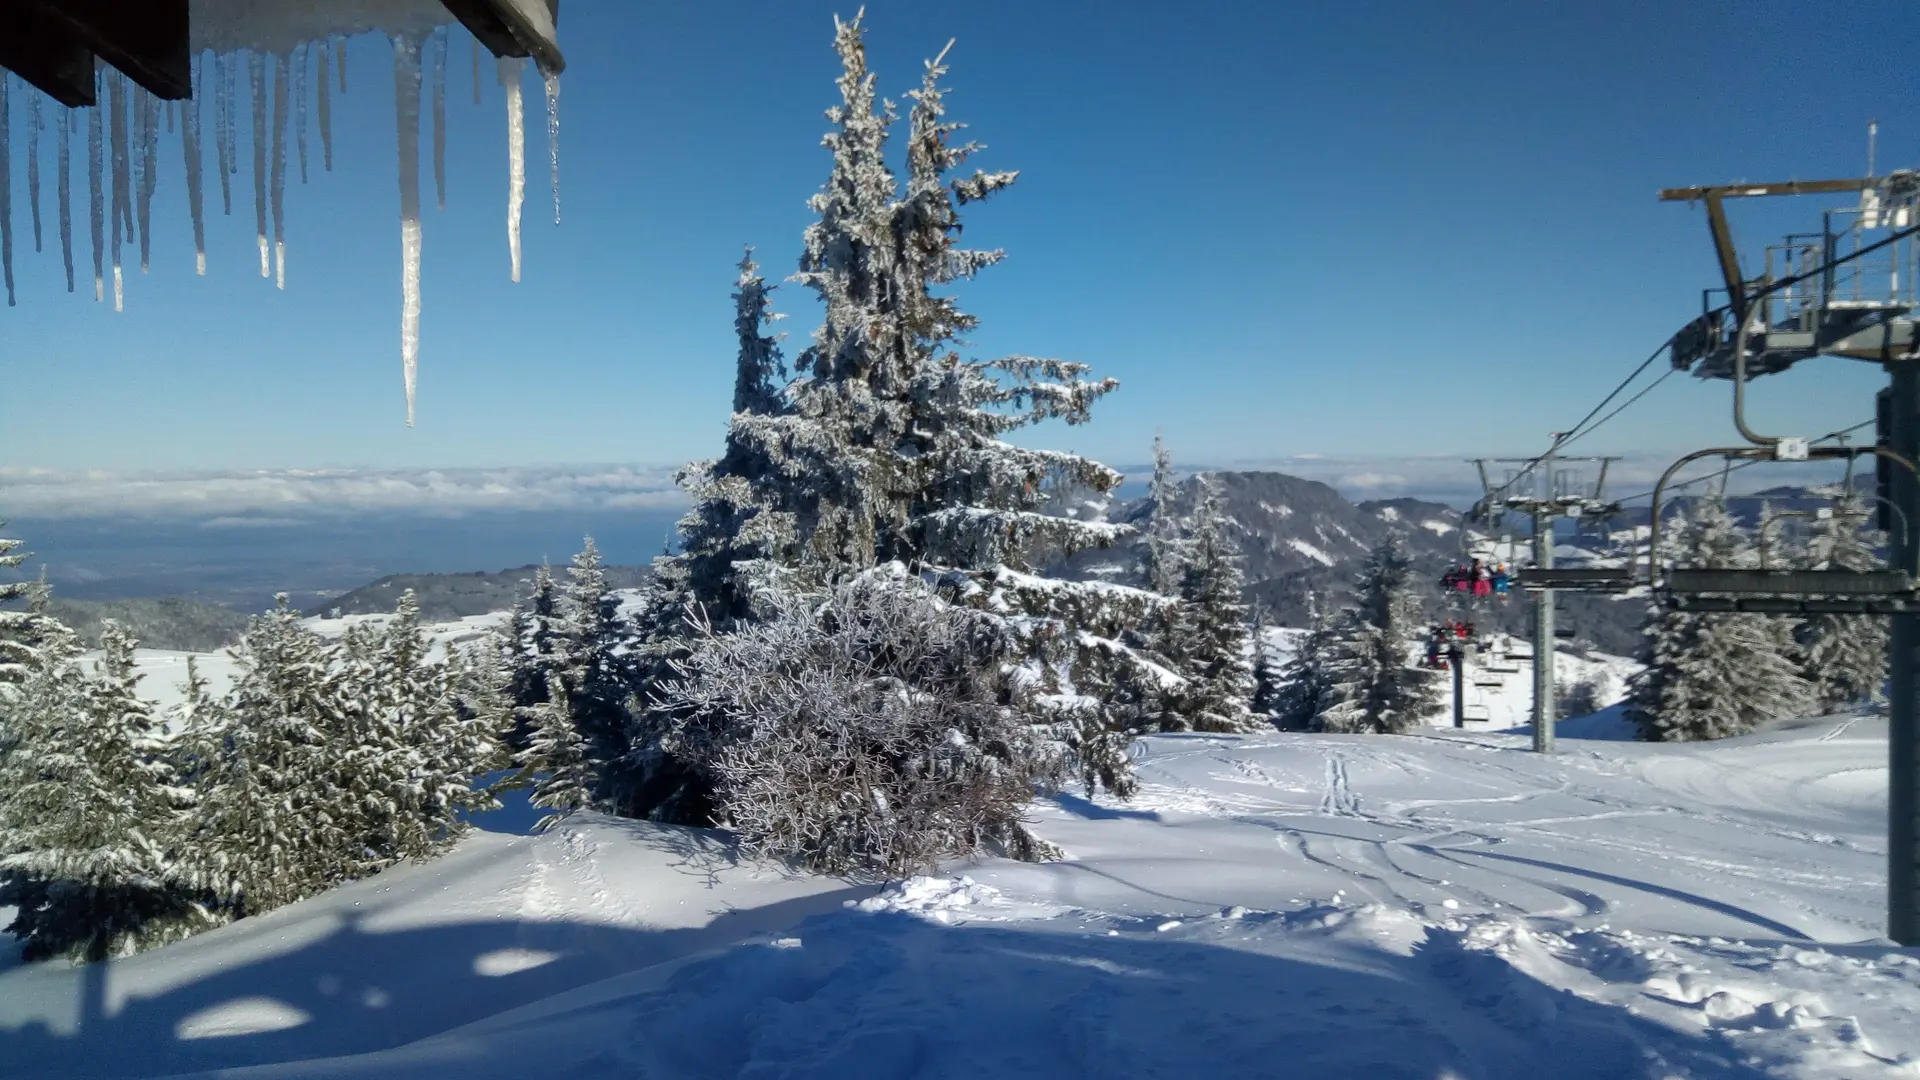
point(1361, 230)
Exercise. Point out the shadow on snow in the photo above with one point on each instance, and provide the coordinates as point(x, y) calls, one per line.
point(868, 995)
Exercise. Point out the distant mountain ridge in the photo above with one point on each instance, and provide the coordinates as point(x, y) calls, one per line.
point(1302, 543)
point(455, 596)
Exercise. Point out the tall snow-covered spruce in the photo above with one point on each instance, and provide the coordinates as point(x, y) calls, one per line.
point(1162, 556)
point(1371, 684)
point(1709, 676)
point(887, 451)
point(1215, 650)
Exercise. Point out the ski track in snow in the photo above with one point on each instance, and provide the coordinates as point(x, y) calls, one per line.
point(1615, 910)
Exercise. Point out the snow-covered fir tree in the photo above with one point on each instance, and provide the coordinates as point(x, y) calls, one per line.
point(760, 367)
point(273, 825)
point(1305, 680)
point(1712, 675)
point(16, 617)
point(1266, 670)
point(1844, 657)
point(1372, 685)
point(1214, 649)
point(888, 449)
point(89, 808)
point(405, 748)
point(735, 528)
point(533, 643)
point(557, 761)
point(597, 664)
point(572, 632)
point(1163, 553)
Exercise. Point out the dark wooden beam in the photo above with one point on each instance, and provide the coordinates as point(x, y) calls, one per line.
point(506, 30)
point(46, 52)
point(146, 39)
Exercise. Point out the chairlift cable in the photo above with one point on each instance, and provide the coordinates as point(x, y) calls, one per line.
point(1644, 391)
point(1581, 429)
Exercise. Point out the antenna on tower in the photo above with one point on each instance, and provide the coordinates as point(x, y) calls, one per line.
point(1873, 133)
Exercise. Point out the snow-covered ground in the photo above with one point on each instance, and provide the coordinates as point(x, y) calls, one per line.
point(1439, 905)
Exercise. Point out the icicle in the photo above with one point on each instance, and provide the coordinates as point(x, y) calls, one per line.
point(233, 119)
point(122, 210)
point(33, 163)
point(280, 170)
point(257, 74)
point(122, 161)
point(149, 173)
point(299, 91)
point(406, 87)
point(340, 62)
point(190, 146)
point(66, 199)
point(223, 130)
point(169, 116)
point(136, 157)
point(440, 115)
point(553, 137)
point(97, 196)
point(6, 191)
point(508, 68)
point(476, 71)
point(326, 110)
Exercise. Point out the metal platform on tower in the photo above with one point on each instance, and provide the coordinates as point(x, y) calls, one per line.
point(1807, 301)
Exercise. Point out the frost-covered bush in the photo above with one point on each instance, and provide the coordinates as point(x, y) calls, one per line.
point(870, 728)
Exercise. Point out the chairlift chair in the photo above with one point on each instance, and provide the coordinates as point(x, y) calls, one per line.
point(1775, 590)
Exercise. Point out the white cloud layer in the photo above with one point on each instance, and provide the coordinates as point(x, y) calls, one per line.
point(262, 498)
point(267, 498)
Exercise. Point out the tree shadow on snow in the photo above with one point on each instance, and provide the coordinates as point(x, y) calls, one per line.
point(882, 996)
point(350, 992)
point(1082, 807)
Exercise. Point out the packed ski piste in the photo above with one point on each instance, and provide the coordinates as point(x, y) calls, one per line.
point(922, 753)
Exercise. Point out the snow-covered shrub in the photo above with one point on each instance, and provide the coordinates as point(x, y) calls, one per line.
point(867, 729)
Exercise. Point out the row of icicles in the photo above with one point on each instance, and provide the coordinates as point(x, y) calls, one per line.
point(123, 131)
